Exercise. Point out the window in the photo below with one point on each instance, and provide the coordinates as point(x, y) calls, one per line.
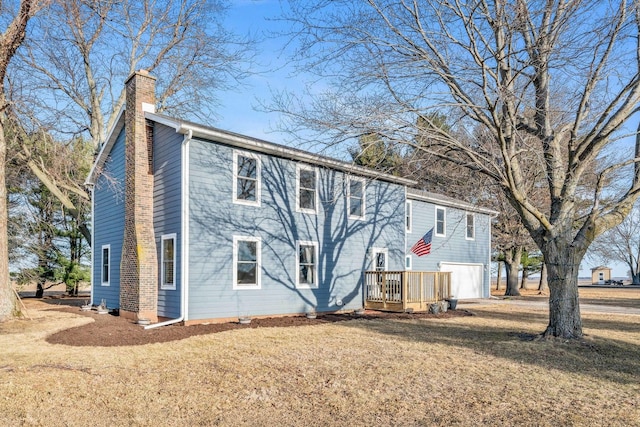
point(380, 256)
point(106, 262)
point(246, 262)
point(471, 229)
point(408, 213)
point(168, 262)
point(246, 178)
point(407, 262)
point(307, 265)
point(356, 200)
point(441, 222)
point(307, 189)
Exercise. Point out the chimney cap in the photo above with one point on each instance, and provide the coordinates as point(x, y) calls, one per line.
point(140, 72)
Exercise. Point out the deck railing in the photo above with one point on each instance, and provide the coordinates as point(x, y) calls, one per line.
point(405, 290)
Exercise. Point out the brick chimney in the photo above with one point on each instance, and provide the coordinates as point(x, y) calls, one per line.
point(139, 263)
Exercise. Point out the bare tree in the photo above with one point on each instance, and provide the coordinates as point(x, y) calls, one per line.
point(541, 78)
point(10, 41)
point(80, 53)
point(621, 244)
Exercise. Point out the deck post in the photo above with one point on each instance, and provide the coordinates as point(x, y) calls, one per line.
point(404, 287)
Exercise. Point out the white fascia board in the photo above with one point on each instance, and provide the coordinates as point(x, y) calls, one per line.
point(447, 201)
point(101, 158)
point(249, 143)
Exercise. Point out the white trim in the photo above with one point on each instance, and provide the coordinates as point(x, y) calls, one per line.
point(300, 167)
point(93, 242)
point(374, 253)
point(258, 242)
point(163, 282)
point(315, 264)
point(148, 108)
point(444, 222)
point(466, 226)
point(439, 199)
point(408, 216)
point(408, 265)
point(255, 156)
point(184, 234)
point(108, 281)
point(364, 198)
point(103, 155)
point(249, 143)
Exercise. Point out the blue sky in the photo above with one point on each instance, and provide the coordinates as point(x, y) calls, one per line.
point(238, 112)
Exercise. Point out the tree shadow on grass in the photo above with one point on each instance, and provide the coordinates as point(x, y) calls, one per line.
point(601, 358)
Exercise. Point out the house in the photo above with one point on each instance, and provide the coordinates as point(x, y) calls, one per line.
point(192, 223)
point(600, 275)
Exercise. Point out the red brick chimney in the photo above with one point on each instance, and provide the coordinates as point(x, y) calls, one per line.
point(139, 263)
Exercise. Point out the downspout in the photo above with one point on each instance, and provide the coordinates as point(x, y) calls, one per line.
point(184, 236)
point(93, 238)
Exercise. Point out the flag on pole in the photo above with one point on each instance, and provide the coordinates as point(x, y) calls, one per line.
point(423, 246)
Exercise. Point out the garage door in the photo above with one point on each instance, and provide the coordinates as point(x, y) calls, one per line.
point(466, 279)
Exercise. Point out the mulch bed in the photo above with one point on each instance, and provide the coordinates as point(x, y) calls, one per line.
point(111, 331)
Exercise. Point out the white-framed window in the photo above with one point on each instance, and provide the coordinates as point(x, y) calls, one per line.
point(470, 228)
point(168, 261)
point(306, 189)
point(441, 221)
point(105, 263)
point(408, 216)
point(356, 198)
point(246, 178)
point(247, 262)
point(307, 264)
point(407, 262)
point(380, 259)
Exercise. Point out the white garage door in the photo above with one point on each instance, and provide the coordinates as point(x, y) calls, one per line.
point(466, 279)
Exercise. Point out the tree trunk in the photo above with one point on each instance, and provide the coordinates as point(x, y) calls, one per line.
point(40, 289)
point(563, 263)
point(512, 264)
point(499, 278)
point(543, 285)
point(7, 299)
point(525, 276)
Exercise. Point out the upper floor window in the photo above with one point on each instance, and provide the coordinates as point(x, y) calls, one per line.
point(408, 213)
point(106, 262)
point(246, 178)
point(307, 179)
point(441, 221)
point(470, 227)
point(168, 262)
point(246, 262)
point(307, 264)
point(356, 198)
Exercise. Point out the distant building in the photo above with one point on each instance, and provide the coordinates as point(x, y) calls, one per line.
point(600, 274)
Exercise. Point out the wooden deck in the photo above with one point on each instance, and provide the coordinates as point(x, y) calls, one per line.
point(405, 290)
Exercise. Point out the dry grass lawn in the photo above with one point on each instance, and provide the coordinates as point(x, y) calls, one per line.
point(479, 370)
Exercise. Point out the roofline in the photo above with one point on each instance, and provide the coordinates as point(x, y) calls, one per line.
point(259, 145)
point(440, 199)
point(106, 148)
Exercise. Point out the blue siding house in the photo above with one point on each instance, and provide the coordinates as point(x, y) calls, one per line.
point(217, 225)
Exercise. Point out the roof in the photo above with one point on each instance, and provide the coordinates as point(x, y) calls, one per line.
point(601, 267)
point(246, 142)
point(240, 141)
point(440, 199)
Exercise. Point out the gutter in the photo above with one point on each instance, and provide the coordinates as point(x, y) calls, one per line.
point(184, 237)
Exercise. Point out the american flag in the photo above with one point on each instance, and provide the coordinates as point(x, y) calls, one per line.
point(423, 246)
